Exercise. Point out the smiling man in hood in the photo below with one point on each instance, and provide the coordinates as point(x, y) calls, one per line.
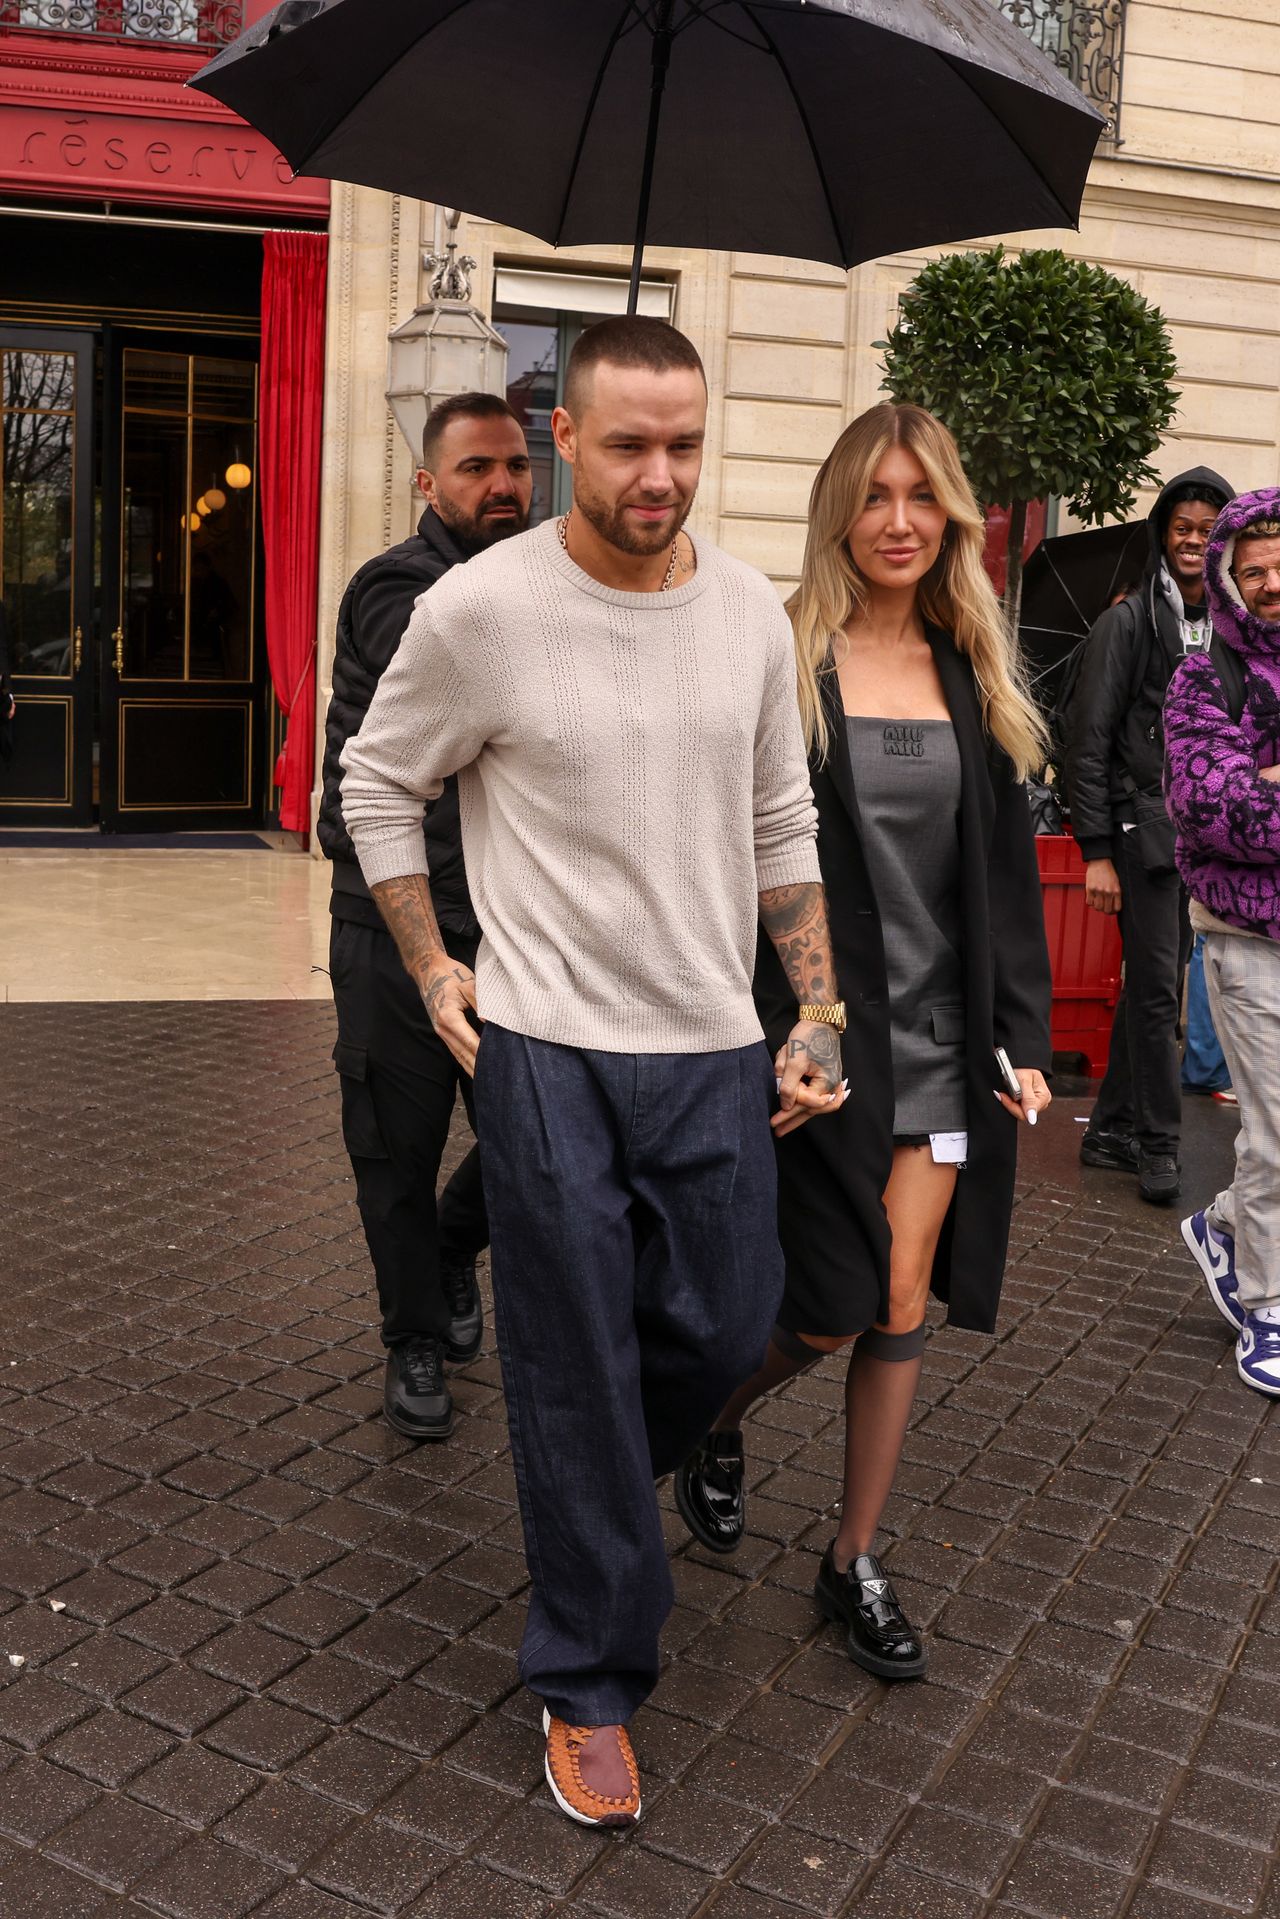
point(1222, 722)
point(1115, 758)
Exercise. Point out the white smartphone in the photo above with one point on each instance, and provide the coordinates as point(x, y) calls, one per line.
point(1012, 1084)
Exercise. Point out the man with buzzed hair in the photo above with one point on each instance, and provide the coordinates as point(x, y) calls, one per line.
point(399, 1081)
point(617, 698)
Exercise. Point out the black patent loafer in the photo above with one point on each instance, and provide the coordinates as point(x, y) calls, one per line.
point(463, 1339)
point(709, 1492)
point(1113, 1152)
point(1159, 1179)
point(415, 1394)
point(881, 1639)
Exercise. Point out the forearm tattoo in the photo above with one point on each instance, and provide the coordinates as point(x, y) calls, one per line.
point(405, 905)
point(795, 918)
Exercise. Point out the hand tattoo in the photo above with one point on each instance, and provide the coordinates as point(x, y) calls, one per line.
point(795, 918)
point(818, 1050)
point(432, 994)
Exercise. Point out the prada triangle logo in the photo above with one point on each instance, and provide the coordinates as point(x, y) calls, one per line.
point(876, 1586)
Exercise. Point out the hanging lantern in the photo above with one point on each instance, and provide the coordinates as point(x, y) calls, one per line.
point(446, 346)
point(215, 499)
point(239, 476)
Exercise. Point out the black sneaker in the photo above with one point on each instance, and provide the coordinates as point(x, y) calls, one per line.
point(1114, 1152)
point(880, 1638)
point(708, 1490)
point(1159, 1179)
point(466, 1314)
point(415, 1396)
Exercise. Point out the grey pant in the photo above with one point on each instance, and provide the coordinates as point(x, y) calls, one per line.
point(1243, 975)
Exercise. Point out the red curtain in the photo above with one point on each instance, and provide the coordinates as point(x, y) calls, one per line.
point(291, 410)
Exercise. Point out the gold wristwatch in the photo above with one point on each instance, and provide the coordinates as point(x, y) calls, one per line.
point(832, 1015)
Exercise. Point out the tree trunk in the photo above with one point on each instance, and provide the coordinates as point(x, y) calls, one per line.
point(1013, 564)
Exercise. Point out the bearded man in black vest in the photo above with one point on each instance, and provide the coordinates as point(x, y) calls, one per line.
point(398, 1080)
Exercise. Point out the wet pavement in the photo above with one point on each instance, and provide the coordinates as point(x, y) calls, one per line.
point(258, 1649)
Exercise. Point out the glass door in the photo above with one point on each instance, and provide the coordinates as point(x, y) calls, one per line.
point(46, 574)
point(182, 708)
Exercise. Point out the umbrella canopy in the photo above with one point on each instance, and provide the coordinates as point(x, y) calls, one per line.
point(832, 130)
point(1068, 582)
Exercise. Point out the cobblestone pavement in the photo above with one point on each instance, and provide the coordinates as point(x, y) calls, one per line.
point(259, 1649)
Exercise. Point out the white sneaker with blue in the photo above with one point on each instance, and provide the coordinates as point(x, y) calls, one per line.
point(1215, 1254)
point(1258, 1350)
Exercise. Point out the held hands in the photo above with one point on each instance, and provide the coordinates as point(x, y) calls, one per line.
point(449, 992)
point(1035, 1095)
point(1102, 886)
point(809, 1076)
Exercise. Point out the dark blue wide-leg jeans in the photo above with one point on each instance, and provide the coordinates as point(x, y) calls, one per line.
point(636, 1277)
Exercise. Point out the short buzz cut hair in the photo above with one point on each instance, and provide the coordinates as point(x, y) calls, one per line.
point(460, 406)
point(630, 340)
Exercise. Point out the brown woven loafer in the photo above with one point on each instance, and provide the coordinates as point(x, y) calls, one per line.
point(592, 1773)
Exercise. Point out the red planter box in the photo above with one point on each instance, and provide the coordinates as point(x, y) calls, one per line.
point(1084, 953)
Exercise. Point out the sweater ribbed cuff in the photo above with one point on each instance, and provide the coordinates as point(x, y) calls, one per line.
point(795, 866)
point(393, 858)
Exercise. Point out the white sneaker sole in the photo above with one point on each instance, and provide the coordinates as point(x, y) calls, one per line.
point(571, 1812)
point(1200, 1257)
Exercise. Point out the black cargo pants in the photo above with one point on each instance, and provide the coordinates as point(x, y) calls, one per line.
point(399, 1083)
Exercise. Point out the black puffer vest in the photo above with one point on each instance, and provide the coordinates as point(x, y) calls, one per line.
point(372, 619)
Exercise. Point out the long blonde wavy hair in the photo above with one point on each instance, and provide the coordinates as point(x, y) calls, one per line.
point(955, 594)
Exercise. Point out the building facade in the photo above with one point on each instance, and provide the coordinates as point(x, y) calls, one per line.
point(134, 224)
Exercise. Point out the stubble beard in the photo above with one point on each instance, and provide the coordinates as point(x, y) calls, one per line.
point(612, 525)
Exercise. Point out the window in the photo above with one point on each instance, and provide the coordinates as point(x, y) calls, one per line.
point(538, 346)
point(188, 538)
point(1085, 38)
point(37, 507)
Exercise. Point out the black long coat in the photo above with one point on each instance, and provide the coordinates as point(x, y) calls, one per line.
point(833, 1172)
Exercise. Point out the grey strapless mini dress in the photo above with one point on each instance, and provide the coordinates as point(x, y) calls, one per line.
point(906, 775)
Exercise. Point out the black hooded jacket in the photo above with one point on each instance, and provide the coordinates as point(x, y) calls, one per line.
point(372, 619)
point(1116, 732)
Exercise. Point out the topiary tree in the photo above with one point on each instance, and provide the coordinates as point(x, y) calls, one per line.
point(1053, 375)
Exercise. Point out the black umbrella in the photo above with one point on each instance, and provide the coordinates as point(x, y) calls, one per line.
point(831, 130)
point(1068, 582)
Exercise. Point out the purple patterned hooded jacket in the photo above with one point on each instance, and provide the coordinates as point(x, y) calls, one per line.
point(1227, 817)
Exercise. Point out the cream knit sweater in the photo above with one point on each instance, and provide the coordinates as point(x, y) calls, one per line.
point(631, 771)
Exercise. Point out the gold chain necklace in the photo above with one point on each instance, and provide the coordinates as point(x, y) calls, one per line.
point(562, 528)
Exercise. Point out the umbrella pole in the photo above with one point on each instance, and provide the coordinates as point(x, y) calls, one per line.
point(657, 82)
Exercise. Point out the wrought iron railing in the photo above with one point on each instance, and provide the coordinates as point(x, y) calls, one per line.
point(201, 25)
point(1085, 37)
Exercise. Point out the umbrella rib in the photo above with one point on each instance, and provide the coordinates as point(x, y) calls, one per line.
point(704, 9)
point(335, 120)
point(1036, 168)
point(1075, 604)
point(629, 7)
point(803, 118)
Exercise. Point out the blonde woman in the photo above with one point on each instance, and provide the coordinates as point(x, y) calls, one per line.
point(920, 735)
